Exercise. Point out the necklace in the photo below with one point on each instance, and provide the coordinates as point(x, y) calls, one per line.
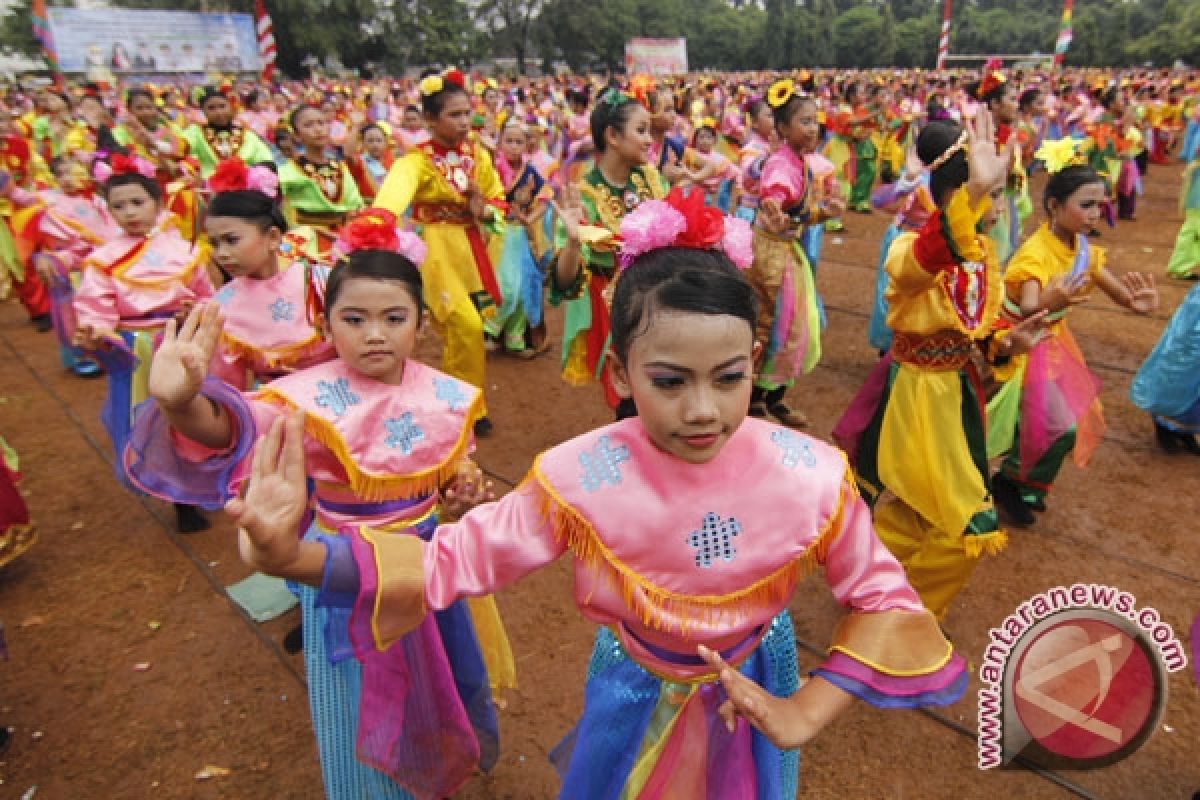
point(327, 177)
point(224, 143)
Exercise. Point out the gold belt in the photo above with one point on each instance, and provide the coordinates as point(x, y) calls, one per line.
point(941, 350)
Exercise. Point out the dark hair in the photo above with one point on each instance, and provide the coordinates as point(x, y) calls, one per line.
point(755, 107)
point(993, 94)
point(371, 126)
point(210, 92)
point(1066, 182)
point(936, 138)
point(376, 265)
point(297, 111)
point(1027, 99)
point(783, 114)
point(610, 114)
point(250, 205)
point(432, 104)
point(677, 279)
point(151, 186)
point(136, 92)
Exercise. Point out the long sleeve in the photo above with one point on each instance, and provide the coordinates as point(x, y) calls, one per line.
point(492, 546)
point(96, 300)
point(889, 650)
point(399, 576)
point(862, 573)
point(401, 184)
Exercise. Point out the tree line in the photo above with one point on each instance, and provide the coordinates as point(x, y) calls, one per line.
point(392, 35)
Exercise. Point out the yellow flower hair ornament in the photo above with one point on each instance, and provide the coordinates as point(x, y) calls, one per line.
point(780, 92)
point(1058, 154)
point(430, 85)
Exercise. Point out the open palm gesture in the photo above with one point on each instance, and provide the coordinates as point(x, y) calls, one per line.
point(988, 167)
point(181, 362)
point(569, 209)
point(270, 514)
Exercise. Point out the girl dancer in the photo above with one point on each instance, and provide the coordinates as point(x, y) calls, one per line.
point(1051, 395)
point(620, 180)
point(688, 574)
point(789, 323)
point(385, 435)
point(130, 287)
point(318, 189)
point(452, 191)
point(915, 430)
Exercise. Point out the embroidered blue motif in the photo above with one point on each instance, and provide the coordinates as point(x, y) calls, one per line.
point(602, 464)
point(448, 390)
point(336, 396)
point(403, 433)
point(224, 294)
point(282, 310)
point(714, 539)
point(796, 448)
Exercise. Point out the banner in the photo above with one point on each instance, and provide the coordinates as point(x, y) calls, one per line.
point(123, 40)
point(656, 56)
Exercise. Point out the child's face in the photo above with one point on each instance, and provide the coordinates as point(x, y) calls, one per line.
point(241, 248)
point(802, 130)
point(217, 111)
point(412, 120)
point(513, 143)
point(690, 377)
point(133, 208)
point(1081, 211)
point(453, 122)
point(633, 141)
point(374, 327)
point(705, 139)
point(375, 142)
point(988, 220)
point(312, 128)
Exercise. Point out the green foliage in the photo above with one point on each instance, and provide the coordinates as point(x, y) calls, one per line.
point(721, 34)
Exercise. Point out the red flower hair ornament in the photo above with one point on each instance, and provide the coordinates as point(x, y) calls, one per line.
point(232, 175)
point(376, 229)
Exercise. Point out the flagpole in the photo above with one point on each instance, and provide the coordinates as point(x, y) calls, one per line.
point(944, 41)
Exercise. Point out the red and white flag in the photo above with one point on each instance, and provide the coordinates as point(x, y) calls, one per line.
point(266, 40)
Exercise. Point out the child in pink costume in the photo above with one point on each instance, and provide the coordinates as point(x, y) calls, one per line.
point(688, 574)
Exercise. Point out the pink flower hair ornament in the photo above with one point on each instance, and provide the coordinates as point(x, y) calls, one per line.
point(682, 220)
point(120, 164)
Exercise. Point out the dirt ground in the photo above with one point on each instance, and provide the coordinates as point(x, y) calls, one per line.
point(110, 586)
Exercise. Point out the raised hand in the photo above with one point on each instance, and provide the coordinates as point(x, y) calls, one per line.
point(987, 166)
point(569, 209)
point(1063, 291)
point(269, 515)
point(913, 165)
point(1143, 294)
point(181, 362)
